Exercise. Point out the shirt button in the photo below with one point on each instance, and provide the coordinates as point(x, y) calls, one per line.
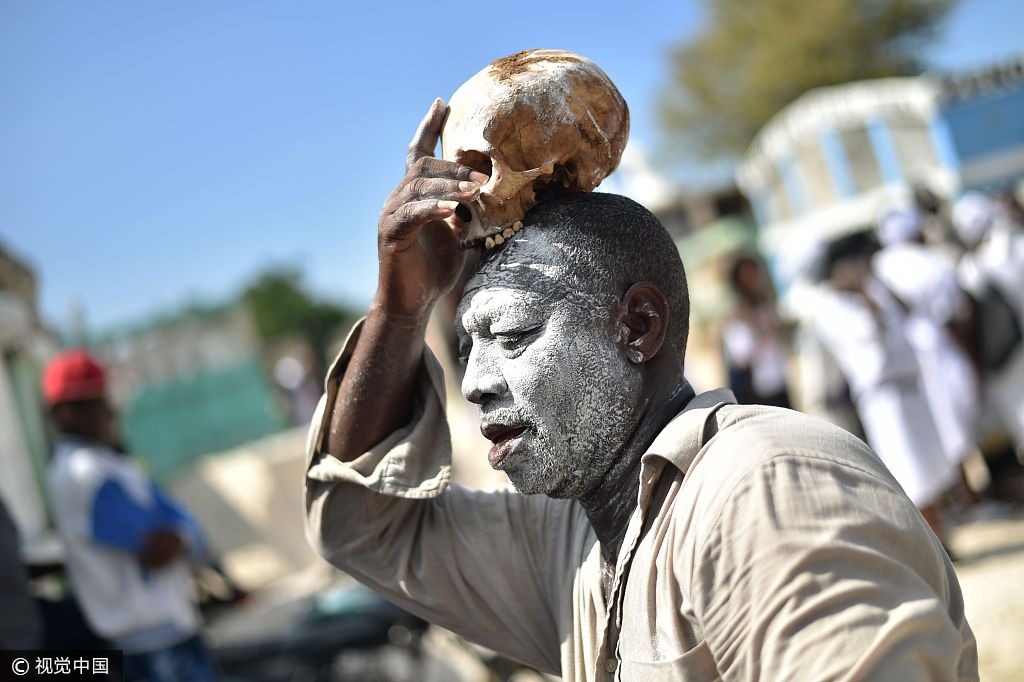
point(611, 664)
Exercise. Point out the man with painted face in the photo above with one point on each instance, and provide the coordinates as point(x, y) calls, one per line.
point(654, 534)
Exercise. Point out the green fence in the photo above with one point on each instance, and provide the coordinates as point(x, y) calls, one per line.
point(170, 424)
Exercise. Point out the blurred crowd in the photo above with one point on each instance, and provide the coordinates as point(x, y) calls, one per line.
point(908, 334)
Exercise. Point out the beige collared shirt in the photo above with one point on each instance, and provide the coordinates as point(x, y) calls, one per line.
point(766, 545)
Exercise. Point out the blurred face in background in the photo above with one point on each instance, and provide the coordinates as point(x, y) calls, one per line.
point(93, 418)
point(848, 274)
point(749, 279)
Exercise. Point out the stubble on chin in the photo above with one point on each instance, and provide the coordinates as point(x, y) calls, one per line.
point(546, 470)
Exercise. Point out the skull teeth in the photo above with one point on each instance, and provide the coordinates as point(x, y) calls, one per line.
point(496, 237)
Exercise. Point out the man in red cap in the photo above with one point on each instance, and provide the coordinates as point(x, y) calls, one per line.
point(75, 387)
point(128, 545)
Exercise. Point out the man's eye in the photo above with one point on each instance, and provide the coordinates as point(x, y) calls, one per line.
point(517, 341)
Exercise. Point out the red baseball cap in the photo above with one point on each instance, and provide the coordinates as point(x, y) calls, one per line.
point(73, 375)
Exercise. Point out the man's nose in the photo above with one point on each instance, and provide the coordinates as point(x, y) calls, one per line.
point(483, 381)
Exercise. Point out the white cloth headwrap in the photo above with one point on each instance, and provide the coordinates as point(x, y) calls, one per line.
point(973, 215)
point(898, 226)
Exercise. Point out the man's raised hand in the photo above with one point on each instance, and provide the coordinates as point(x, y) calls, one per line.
point(418, 248)
point(420, 261)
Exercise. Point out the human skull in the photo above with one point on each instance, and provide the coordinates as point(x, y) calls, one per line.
point(539, 123)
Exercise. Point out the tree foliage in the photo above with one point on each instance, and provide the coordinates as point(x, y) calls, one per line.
point(757, 56)
point(281, 305)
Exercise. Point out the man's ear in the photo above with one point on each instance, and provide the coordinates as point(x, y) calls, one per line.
point(643, 321)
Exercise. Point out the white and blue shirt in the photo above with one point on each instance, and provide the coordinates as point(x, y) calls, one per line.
point(105, 505)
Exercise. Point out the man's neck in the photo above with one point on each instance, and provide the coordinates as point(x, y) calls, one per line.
point(88, 439)
point(752, 298)
point(610, 505)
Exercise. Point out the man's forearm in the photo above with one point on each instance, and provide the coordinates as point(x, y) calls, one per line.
point(376, 393)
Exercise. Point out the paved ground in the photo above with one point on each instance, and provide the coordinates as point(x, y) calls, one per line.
point(991, 570)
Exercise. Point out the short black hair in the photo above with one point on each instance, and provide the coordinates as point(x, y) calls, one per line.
point(616, 244)
point(859, 245)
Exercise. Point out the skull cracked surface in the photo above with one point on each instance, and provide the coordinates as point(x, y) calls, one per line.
point(540, 124)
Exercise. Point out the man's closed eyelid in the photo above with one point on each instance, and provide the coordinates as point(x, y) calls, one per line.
point(517, 332)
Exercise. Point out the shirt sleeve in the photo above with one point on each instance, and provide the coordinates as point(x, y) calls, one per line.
point(817, 570)
point(119, 521)
point(174, 515)
point(485, 565)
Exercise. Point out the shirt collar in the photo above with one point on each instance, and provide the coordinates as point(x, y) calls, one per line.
point(678, 444)
point(683, 437)
point(69, 442)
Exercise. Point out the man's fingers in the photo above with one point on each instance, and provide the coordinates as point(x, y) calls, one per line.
point(439, 188)
point(425, 139)
point(430, 167)
point(409, 218)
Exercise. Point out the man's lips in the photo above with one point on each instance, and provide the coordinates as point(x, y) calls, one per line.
point(502, 436)
point(500, 432)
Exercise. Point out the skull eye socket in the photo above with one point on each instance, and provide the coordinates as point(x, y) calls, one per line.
point(561, 182)
point(478, 161)
point(463, 213)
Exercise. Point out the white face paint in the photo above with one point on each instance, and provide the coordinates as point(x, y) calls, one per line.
point(556, 391)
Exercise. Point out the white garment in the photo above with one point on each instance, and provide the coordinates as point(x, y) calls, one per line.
point(755, 343)
point(899, 427)
point(899, 226)
point(999, 261)
point(880, 367)
point(119, 599)
point(927, 285)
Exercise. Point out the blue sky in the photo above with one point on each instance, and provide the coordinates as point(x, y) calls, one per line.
point(152, 153)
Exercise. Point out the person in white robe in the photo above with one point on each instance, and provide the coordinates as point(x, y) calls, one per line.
point(924, 283)
point(995, 258)
point(862, 326)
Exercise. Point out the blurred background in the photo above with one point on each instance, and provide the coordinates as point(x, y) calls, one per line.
point(190, 191)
